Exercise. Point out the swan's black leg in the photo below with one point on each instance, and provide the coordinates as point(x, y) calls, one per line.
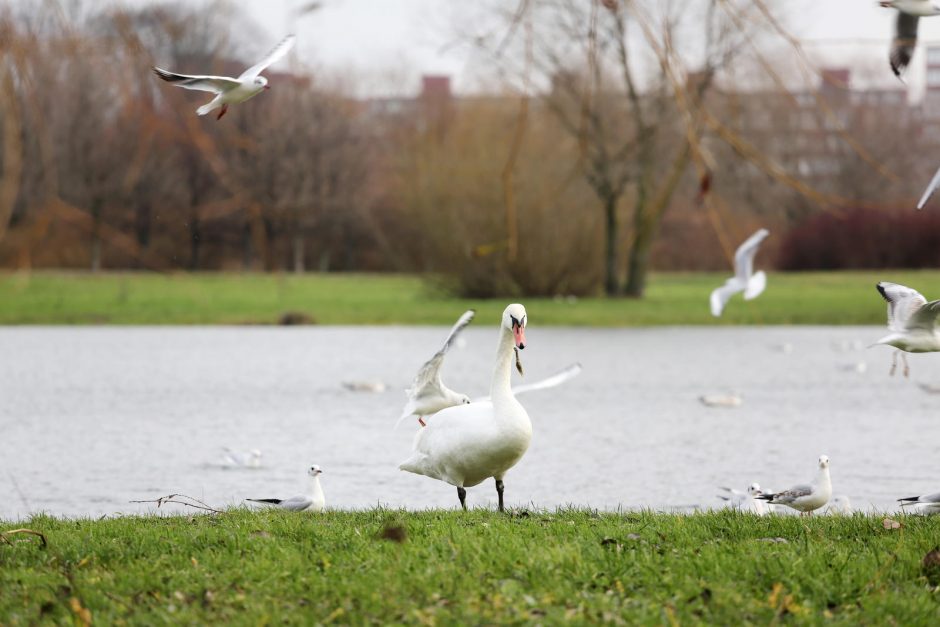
point(462, 495)
point(499, 492)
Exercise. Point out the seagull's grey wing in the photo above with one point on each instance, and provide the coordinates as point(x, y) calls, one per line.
point(429, 374)
point(903, 304)
point(905, 38)
point(213, 84)
point(931, 188)
point(794, 493)
point(744, 255)
point(296, 503)
point(720, 295)
point(549, 382)
point(925, 316)
point(276, 53)
point(926, 498)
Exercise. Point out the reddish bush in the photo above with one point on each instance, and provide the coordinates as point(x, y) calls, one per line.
point(861, 239)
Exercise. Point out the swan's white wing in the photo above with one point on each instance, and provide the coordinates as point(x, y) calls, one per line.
point(931, 188)
point(744, 255)
point(903, 304)
point(276, 53)
point(905, 38)
point(213, 84)
point(720, 296)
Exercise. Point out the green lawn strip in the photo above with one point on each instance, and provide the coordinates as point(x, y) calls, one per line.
point(349, 299)
point(478, 567)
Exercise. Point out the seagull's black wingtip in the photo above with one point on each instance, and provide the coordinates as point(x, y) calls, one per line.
point(881, 290)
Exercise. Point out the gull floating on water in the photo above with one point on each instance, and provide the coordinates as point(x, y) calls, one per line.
point(229, 90)
point(721, 400)
point(806, 497)
point(466, 444)
point(925, 504)
point(905, 29)
point(310, 501)
point(911, 320)
point(241, 459)
point(428, 394)
point(375, 387)
point(746, 500)
point(744, 279)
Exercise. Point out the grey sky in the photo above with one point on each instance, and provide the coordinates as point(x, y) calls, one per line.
point(388, 44)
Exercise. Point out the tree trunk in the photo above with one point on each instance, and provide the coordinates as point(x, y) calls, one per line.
point(248, 253)
point(195, 242)
point(299, 251)
point(638, 266)
point(611, 285)
point(95, 235)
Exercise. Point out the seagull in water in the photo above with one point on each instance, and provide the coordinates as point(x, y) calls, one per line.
point(428, 394)
point(905, 29)
point(926, 504)
point(744, 279)
point(911, 322)
point(745, 501)
point(229, 90)
point(241, 459)
point(311, 501)
point(806, 497)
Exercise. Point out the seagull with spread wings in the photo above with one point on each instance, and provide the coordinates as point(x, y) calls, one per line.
point(911, 322)
point(428, 394)
point(229, 90)
point(744, 279)
point(905, 29)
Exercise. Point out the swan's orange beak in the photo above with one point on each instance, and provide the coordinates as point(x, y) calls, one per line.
point(519, 333)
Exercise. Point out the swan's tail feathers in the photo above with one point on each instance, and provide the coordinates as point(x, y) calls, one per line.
point(209, 106)
point(413, 464)
point(755, 285)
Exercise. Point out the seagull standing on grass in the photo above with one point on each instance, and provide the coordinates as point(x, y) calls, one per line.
point(229, 90)
point(911, 322)
point(310, 501)
point(808, 497)
point(744, 279)
point(428, 394)
point(925, 504)
point(905, 29)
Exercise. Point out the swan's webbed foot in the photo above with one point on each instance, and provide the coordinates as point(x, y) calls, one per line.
point(462, 495)
point(499, 492)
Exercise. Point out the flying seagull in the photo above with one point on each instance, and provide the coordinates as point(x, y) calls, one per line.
point(428, 394)
point(744, 279)
point(807, 497)
point(229, 90)
point(310, 501)
point(905, 29)
point(931, 188)
point(911, 322)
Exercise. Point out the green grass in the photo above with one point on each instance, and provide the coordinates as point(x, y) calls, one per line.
point(471, 568)
point(128, 298)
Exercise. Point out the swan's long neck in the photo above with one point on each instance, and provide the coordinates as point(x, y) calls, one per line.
point(500, 388)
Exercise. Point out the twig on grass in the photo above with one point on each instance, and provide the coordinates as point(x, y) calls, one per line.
point(42, 537)
point(171, 498)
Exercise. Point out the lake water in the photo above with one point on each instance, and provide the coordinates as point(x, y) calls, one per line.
point(92, 418)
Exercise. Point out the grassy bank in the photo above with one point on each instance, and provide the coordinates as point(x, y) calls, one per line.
point(450, 567)
point(122, 298)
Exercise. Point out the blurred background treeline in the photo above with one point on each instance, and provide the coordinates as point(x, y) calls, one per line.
point(613, 139)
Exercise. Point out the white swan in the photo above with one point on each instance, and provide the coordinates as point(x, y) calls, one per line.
point(428, 394)
point(744, 279)
point(466, 444)
point(313, 500)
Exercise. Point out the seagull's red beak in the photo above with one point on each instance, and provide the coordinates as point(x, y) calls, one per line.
point(267, 87)
point(519, 333)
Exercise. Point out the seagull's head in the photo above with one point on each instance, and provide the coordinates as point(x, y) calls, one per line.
point(754, 489)
point(314, 471)
point(255, 453)
point(515, 319)
point(261, 82)
point(464, 399)
point(823, 461)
